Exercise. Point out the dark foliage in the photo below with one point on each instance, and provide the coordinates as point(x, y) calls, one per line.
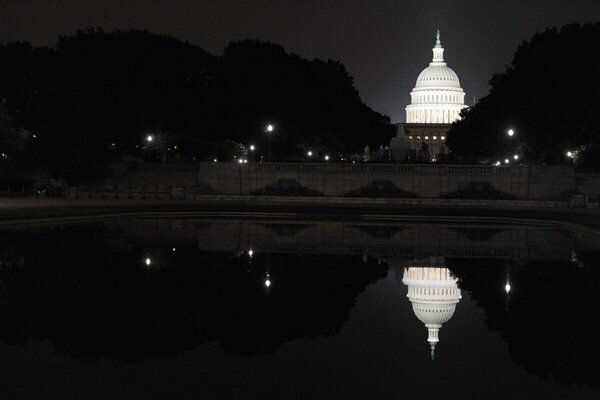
point(548, 95)
point(381, 188)
point(97, 95)
point(479, 190)
point(286, 187)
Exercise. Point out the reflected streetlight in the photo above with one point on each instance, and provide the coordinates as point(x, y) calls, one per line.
point(268, 281)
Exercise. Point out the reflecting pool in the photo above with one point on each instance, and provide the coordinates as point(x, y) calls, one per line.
point(201, 308)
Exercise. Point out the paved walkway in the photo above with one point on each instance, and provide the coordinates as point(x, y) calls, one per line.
point(39, 210)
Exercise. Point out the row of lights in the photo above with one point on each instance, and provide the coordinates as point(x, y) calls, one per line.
point(507, 161)
point(427, 137)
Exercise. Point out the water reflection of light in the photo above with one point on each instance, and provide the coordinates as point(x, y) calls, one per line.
point(434, 294)
point(268, 280)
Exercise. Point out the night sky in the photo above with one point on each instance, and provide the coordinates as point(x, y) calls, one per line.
point(384, 44)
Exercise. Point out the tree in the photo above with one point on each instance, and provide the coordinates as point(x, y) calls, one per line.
point(95, 95)
point(548, 95)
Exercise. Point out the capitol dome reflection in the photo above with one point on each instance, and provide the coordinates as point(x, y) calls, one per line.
point(434, 294)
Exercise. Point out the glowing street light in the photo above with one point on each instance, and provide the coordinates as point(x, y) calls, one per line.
point(270, 129)
point(506, 161)
point(214, 160)
point(149, 138)
point(507, 287)
point(326, 158)
point(250, 252)
point(252, 147)
point(148, 261)
point(497, 163)
point(516, 156)
point(309, 153)
point(511, 132)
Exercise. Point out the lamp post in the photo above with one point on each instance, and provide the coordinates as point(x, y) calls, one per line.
point(270, 129)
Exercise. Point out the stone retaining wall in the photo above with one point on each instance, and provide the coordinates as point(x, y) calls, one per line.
point(430, 181)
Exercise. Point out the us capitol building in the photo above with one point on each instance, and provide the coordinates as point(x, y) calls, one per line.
point(436, 102)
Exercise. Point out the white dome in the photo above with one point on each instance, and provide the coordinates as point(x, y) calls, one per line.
point(437, 97)
point(439, 76)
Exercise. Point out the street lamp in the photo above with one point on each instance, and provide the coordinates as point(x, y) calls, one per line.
point(252, 147)
point(511, 132)
point(149, 138)
point(506, 161)
point(326, 158)
point(270, 129)
point(516, 156)
point(309, 153)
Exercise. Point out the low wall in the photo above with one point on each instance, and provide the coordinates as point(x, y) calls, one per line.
point(414, 180)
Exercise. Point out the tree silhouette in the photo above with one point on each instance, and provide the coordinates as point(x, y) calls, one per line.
point(548, 95)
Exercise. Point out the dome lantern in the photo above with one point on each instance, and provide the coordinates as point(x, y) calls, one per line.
point(438, 51)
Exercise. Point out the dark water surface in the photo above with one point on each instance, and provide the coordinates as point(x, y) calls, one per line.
point(181, 308)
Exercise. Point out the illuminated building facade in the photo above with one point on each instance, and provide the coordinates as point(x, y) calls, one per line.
point(436, 102)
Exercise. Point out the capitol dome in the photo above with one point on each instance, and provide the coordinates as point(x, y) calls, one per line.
point(438, 76)
point(434, 294)
point(437, 97)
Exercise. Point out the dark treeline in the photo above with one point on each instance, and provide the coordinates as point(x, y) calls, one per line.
point(96, 96)
point(548, 95)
